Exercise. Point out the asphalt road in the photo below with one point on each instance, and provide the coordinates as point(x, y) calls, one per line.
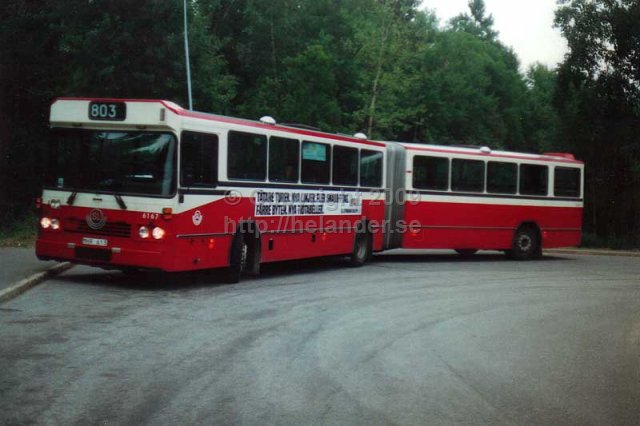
point(407, 339)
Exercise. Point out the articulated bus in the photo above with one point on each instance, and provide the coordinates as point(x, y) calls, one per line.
point(146, 184)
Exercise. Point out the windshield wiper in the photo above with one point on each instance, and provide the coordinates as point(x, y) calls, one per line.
point(120, 201)
point(72, 198)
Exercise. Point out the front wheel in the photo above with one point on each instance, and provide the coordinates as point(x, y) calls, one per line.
point(526, 244)
point(237, 259)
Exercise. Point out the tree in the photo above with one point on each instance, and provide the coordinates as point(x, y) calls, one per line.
point(477, 24)
point(111, 48)
point(599, 100)
point(542, 121)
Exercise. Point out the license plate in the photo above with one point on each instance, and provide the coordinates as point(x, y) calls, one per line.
point(94, 241)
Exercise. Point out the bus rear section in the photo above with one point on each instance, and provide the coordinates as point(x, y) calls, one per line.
point(470, 199)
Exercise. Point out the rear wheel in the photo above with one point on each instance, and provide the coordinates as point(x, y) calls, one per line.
point(525, 245)
point(362, 249)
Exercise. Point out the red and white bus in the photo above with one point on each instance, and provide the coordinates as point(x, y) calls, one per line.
point(145, 184)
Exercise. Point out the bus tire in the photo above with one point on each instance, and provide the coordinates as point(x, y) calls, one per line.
point(526, 244)
point(237, 259)
point(466, 253)
point(362, 249)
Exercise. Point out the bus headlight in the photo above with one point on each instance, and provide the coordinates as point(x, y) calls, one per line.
point(45, 222)
point(143, 232)
point(55, 224)
point(158, 233)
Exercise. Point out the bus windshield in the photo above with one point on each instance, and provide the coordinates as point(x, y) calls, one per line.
point(119, 162)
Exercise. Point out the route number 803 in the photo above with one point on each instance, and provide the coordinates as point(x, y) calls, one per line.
point(111, 111)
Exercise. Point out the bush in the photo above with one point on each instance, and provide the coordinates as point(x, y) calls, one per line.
point(18, 226)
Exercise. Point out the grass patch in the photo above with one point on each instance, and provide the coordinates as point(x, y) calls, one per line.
point(21, 232)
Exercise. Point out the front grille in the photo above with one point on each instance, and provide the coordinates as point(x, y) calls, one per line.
point(112, 229)
point(86, 253)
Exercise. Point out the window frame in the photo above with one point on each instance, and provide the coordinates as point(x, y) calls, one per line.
point(329, 162)
point(216, 162)
point(515, 183)
point(333, 168)
point(381, 184)
point(266, 155)
point(298, 160)
point(483, 181)
point(520, 180)
point(580, 184)
point(448, 174)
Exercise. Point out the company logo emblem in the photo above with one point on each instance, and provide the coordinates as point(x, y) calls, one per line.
point(197, 218)
point(96, 219)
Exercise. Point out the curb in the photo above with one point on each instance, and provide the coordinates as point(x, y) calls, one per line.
point(32, 281)
point(589, 252)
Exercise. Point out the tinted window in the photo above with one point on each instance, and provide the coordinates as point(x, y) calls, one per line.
point(567, 182)
point(316, 160)
point(345, 166)
point(533, 179)
point(198, 159)
point(431, 173)
point(370, 168)
point(467, 175)
point(502, 178)
point(283, 159)
point(247, 155)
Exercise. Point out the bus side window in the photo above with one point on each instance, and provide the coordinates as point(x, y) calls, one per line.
point(247, 156)
point(502, 178)
point(533, 179)
point(467, 175)
point(316, 161)
point(198, 159)
point(371, 168)
point(567, 182)
point(431, 173)
point(345, 166)
point(284, 155)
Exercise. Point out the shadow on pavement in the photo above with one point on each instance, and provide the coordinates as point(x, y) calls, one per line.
point(154, 281)
point(422, 257)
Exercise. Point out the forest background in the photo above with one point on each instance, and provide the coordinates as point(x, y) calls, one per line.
point(384, 67)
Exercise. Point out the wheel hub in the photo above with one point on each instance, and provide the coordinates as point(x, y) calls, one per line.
point(524, 242)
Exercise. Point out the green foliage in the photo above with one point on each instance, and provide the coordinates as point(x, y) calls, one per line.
point(598, 97)
point(477, 23)
point(542, 122)
point(18, 229)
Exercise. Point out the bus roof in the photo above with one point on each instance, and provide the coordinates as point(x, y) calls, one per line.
point(82, 117)
point(179, 111)
point(487, 152)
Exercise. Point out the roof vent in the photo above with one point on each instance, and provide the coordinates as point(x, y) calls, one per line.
point(360, 135)
point(267, 119)
point(485, 150)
